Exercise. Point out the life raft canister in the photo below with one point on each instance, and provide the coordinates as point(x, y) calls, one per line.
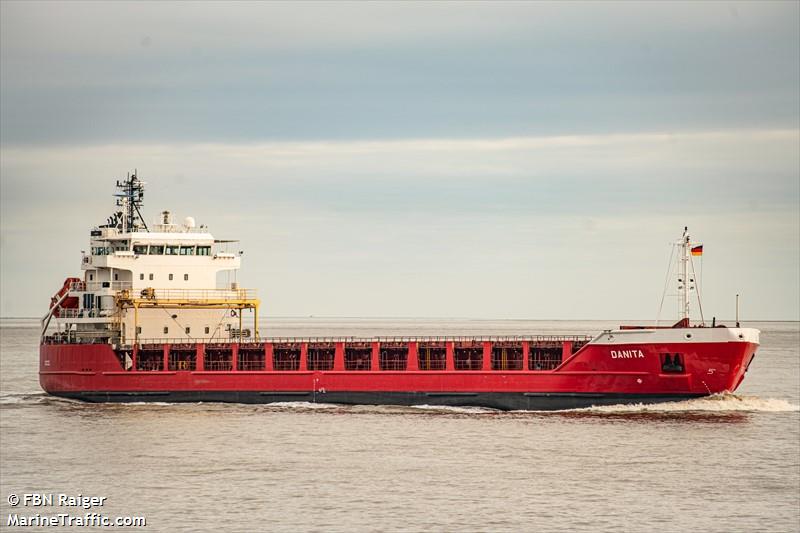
point(68, 303)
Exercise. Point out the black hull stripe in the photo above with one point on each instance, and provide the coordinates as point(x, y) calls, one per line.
point(496, 400)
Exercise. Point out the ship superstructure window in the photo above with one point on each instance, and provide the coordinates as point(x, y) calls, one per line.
point(138, 330)
point(170, 277)
point(187, 250)
point(186, 277)
point(171, 250)
point(156, 250)
point(140, 249)
point(203, 250)
point(207, 330)
point(358, 356)
point(166, 330)
point(116, 277)
point(188, 330)
point(91, 277)
point(141, 277)
point(151, 277)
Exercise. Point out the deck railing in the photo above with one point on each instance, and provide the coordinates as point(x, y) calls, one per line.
point(379, 339)
point(92, 286)
point(296, 340)
point(85, 313)
point(232, 295)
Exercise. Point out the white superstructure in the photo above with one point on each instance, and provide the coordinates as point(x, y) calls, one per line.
point(143, 283)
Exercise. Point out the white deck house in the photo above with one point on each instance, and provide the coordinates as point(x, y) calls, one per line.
point(140, 284)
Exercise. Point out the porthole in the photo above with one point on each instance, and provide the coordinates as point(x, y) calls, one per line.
point(688, 335)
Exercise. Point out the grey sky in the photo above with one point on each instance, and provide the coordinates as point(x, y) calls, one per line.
point(525, 160)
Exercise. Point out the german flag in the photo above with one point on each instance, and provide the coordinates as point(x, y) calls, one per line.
point(697, 250)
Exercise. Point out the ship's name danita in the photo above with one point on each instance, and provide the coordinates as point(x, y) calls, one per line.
point(626, 354)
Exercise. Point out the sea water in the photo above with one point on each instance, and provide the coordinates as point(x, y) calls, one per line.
point(725, 463)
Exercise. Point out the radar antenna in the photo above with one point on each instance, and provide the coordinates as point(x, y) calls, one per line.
point(129, 197)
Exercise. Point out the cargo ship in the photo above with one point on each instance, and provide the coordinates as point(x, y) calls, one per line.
point(147, 321)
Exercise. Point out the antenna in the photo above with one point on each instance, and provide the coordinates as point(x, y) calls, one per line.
point(130, 198)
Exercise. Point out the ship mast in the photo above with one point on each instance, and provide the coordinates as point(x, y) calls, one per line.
point(129, 198)
point(684, 284)
point(687, 277)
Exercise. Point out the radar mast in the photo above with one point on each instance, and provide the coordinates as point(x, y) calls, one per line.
point(130, 198)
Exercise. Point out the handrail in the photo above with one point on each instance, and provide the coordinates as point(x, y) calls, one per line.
point(83, 286)
point(86, 313)
point(155, 294)
point(381, 339)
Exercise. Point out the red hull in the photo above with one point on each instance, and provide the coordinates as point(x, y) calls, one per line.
point(93, 371)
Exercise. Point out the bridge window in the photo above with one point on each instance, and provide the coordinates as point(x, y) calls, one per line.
point(156, 250)
point(432, 356)
point(358, 356)
point(140, 249)
point(203, 250)
point(187, 250)
point(468, 356)
point(171, 250)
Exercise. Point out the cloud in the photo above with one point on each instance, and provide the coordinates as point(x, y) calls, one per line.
point(477, 159)
point(79, 72)
point(473, 227)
